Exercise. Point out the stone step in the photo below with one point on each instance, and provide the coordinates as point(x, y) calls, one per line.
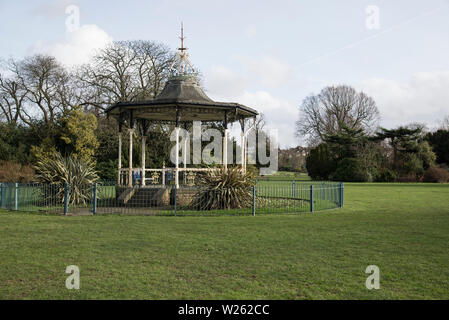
point(150, 197)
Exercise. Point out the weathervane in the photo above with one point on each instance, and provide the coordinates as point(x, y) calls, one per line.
point(182, 66)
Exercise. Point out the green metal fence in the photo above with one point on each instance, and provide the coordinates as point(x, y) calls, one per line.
point(266, 197)
point(31, 197)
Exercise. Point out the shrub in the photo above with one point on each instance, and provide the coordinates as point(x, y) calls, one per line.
point(426, 155)
point(78, 174)
point(15, 142)
point(435, 174)
point(107, 170)
point(252, 169)
point(411, 165)
point(407, 178)
point(439, 140)
point(319, 163)
point(386, 175)
point(9, 172)
point(350, 170)
point(78, 133)
point(224, 189)
point(15, 172)
point(27, 174)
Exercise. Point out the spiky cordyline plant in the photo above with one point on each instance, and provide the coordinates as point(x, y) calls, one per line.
point(224, 189)
point(59, 170)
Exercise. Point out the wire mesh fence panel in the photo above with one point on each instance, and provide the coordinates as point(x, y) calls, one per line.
point(281, 199)
point(149, 200)
point(31, 197)
point(80, 198)
point(106, 197)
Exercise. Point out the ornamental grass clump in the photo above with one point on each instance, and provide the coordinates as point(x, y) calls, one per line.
point(224, 189)
point(78, 174)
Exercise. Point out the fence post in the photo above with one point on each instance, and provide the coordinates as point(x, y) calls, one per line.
point(3, 195)
point(323, 191)
point(94, 209)
point(342, 193)
point(175, 198)
point(311, 198)
point(254, 200)
point(293, 188)
point(66, 198)
point(16, 196)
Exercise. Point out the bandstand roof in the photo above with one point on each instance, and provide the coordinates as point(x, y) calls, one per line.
point(182, 95)
point(182, 92)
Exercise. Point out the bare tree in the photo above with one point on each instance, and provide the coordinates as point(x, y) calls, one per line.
point(260, 122)
point(444, 125)
point(153, 64)
point(12, 97)
point(39, 89)
point(124, 71)
point(334, 108)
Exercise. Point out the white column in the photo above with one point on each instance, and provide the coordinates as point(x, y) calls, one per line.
point(245, 155)
point(225, 149)
point(185, 160)
point(144, 138)
point(177, 158)
point(163, 174)
point(119, 157)
point(130, 167)
point(242, 151)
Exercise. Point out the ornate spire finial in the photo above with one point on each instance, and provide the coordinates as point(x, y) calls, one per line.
point(182, 49)
point(181, 65)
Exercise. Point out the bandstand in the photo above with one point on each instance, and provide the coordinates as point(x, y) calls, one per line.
point(181, 101)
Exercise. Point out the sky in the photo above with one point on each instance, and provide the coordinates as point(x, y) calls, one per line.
point(268, 55)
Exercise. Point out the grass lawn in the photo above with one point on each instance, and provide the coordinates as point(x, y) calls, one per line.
point(402, 228)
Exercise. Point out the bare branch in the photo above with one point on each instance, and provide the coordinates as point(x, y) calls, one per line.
point(332, 109)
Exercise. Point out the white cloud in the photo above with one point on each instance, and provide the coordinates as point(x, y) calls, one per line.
point(423, 98)
point(77, 47)
point(225, 85)
point(276, 109)
point(251, 31)
point(271, 72)
point(224, 82)
point(52, 9)
point(280, 114)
